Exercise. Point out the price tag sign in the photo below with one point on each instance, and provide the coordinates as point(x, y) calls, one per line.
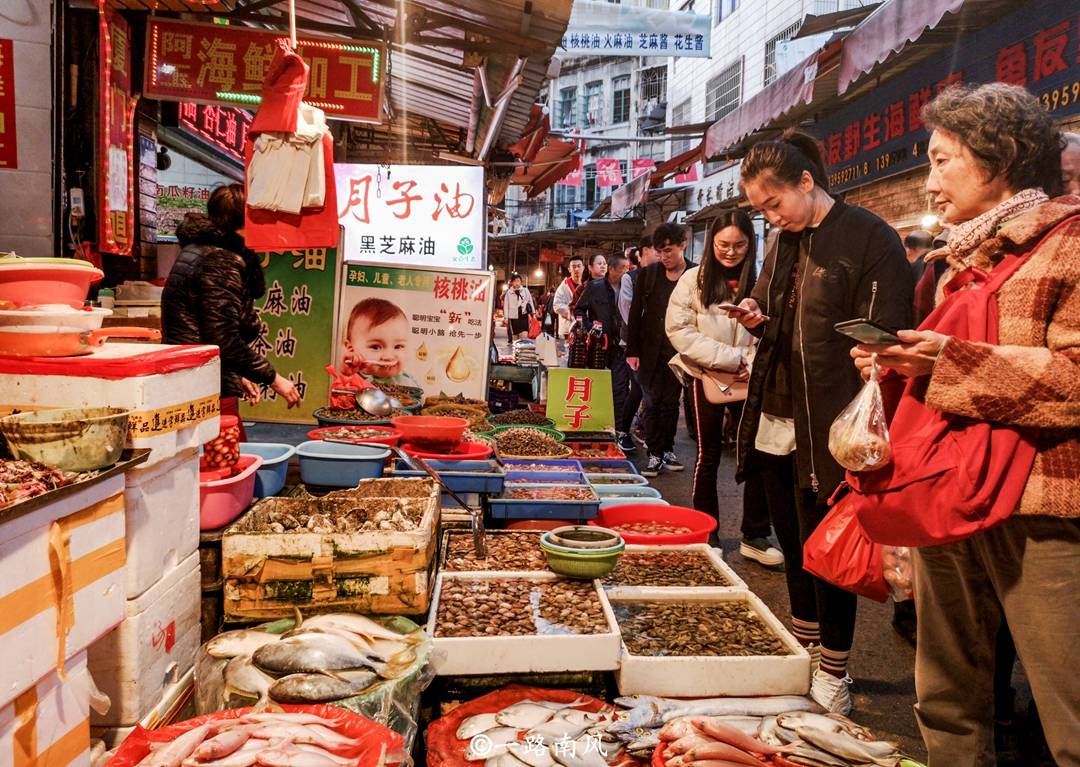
point(580, 400)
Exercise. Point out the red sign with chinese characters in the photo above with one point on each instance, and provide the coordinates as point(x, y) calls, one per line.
point(608, 172)
point(9, 151)
point(215, 64)
point(224, 128)
point(116, 188)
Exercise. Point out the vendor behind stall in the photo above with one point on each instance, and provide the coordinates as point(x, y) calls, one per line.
point(210, 295)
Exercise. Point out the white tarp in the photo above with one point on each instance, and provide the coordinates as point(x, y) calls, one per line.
point(599, 28)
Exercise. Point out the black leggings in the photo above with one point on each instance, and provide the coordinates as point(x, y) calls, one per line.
point(662, 410)
point(795, 513)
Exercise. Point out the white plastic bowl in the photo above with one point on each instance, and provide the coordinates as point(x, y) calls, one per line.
point(55, 315)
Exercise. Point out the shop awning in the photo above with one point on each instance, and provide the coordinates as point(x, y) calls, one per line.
point(680, 163)
point(553, 161)
point(895, 24)
point(590, 231)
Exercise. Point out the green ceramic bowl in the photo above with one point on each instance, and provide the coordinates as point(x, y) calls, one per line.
point(585, 565)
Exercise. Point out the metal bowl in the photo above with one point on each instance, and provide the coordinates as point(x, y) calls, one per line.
point(77, 439)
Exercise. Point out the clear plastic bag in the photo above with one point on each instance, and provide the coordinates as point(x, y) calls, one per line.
point(896, 566)
point(859, 437)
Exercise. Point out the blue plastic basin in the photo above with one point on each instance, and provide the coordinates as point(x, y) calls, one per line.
point(270, 477)
point(331, 464)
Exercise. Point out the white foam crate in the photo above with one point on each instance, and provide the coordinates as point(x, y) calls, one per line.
point(538, 653)
point(170, 708)
point(161, 508)
point(715, 556)
point(152, 648)
point(715, 676)
point(47, 725)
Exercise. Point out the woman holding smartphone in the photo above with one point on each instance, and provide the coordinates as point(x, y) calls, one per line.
point(830, 262)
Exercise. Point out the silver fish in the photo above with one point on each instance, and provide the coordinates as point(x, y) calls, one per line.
point(242, 677)
point(290, 755)
point(243, 757)
point(583, 752)
point(534, 753)
point(475, 725)
point(806, 754)
point(767, 706)
point(357, 624)
point(172, 754)
point(507, 758)
point(312, 653)
point(524, 715)
point(241, 642)
point(555, 729)
point(843, 745)
point(493, 743)
point(321, 688)
point(793, 719)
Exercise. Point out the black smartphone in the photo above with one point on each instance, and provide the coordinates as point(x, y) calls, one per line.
point(867, 332)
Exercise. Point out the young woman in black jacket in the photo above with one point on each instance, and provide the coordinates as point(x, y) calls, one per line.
point(209, 298)
point(830, 263)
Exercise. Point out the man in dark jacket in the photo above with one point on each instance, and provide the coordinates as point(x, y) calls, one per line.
point(599, 302)
point(648, 349)
point(209, 297)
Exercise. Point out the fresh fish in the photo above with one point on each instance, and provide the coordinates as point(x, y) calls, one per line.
point(768, 706)
point(242, 677)
point(323, 752)
point(770, 732)
point(806, 754)
point(312, 653)
point(534, 753)
point(321, 688)
point(643, 746)
point(678, 729)
point(642, 717)
point(290, 755)
point(793, 719)
point(722, 751)
point(313, 734)
point(242, 757)
point(507, 758)
point(223, 744)
point(475, 725)
point(287, 717)
point(180, 749)
point(361, 642)
point(555, 729)
point(587, 718)
point(524, 715)
point(684, 744)
point(720, 763)
point(494, 742)
point(583, 752)
point(716, 728)
point(843, 745)
point(241, 642)
point(357, 624)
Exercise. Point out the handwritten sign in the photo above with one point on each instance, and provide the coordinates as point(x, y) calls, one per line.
point(580, 400)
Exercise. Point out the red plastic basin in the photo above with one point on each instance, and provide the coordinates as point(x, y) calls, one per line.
point(223, 500)
point(26, 281)
point(389, 436)
point(700, 523)
point(430, 432)
point(464, 451)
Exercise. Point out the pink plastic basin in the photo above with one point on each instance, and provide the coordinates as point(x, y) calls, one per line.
point(223, 500)
point(700, 523)
point(29, 281)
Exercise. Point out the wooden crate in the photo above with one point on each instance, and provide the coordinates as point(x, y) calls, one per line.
point(267, 574)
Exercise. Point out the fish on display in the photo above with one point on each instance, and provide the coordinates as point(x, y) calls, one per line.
point(245, 679)
point(805, 754)
point(223, 744)
point(172, 754)
point(244, 756)
point(581, 753)
point(357, 624)
point(841, 744)
point(497, 741)
point(289, 754)
point(534, 756)
point(231, 644)
point(716, 728)
point(767, 706)
point(474, 725)
point(507, 758)
point(321, 688)
point(312, 653)
point(524, 714)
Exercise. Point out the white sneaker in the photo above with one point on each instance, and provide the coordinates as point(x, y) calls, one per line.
point(672, 462)
point(761, 551)
point(831, 693)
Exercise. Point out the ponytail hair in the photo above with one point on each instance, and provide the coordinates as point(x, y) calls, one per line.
point(786, 158)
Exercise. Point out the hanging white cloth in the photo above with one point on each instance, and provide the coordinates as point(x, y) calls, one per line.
point(286, 172)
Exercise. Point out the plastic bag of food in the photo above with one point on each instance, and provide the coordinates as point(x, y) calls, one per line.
point(859, 437)
point(896, 565)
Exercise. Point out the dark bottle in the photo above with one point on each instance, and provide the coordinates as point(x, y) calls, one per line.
point(598, 344)
point(578, 352)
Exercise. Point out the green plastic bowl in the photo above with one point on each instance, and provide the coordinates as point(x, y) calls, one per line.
point(555, 434)
point(585, 565)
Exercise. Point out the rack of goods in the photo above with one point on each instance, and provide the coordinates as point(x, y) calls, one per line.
point(370, 549)
point(546, 500)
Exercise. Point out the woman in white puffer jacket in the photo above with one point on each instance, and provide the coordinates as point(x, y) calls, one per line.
point(707, 340)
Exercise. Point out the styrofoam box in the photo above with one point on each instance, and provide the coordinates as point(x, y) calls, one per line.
point(714, 676)
point(28, 595)
point(153, 647)
point(144, 395)
point(169, 709)
point(161, 504)
point(57, 711)
point(523, 654)
point(715, 556)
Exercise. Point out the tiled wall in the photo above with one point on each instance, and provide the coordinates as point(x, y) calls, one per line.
point(26, 203)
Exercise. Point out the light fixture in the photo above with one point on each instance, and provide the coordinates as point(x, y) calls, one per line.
point(929, 221)
point(539, 273)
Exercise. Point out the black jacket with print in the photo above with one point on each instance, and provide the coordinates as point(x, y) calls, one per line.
point(209, 299)
point(856, 268)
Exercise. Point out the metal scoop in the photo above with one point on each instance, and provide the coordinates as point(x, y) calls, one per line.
point(374, 401)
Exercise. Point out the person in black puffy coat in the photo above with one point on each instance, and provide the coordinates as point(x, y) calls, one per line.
point(209, 298)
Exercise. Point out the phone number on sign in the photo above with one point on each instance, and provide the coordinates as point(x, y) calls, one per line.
point(1058, 98)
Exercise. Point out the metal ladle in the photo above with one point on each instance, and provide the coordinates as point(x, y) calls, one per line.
point(375, 401)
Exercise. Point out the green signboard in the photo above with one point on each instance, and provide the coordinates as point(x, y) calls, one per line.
point(580, 400)
point(296, 318)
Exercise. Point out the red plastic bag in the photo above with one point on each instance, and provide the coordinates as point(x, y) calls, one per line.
point(839, 551)
point(380, 743)
point(534, 326)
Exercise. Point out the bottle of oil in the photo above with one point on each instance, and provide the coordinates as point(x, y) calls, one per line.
point(578, 350)
point(598, 344)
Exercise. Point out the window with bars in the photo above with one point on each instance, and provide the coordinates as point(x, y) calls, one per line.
point(723, 92)
point(568, 108)
point(620, 101)
point(660, 5)
point(770, 50)
point(565, 198)
point(680, 116)
point(723, 8)
point(592, 104)
point(653, 85)
point(589, 186)
point(652, 150)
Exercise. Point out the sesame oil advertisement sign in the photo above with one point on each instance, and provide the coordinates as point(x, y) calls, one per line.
point(415, 327)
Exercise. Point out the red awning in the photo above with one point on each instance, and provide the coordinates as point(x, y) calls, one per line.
point(886, 31)
point(792, 89)
point(677, 164)
point(549, 164)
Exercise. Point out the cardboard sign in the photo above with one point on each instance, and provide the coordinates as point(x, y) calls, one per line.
point(580, 400)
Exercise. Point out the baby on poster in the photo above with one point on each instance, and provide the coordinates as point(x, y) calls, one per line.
point(376, 342)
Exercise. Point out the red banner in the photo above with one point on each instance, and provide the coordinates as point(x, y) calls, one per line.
point(224, 128)
point(689, 177)
point(608, 172)
point(641, 166)
point(116, 188)
point(9, 151)
point(215, 64)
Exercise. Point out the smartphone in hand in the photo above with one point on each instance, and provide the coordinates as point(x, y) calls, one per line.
point(729, 307)
point(867, 332)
